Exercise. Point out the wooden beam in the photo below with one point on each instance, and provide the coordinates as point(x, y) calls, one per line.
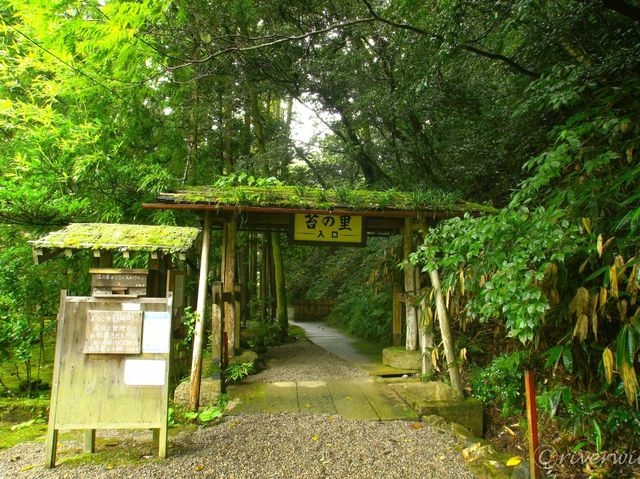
point(410, 288)
point(198, 339)
point(228, 272)
point(274, 210)
point(397, 317)
point(217, 327)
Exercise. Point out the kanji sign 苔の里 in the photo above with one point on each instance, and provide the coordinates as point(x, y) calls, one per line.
point(328, 228)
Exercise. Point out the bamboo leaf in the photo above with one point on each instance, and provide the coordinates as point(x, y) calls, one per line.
point(607, 362)
point(567, 360)
point(599, 245)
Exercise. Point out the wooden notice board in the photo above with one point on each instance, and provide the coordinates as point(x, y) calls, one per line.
point(111, 368)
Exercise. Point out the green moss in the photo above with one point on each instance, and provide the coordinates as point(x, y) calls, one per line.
point(315, 198)
point(168, 239)
point(12, 434)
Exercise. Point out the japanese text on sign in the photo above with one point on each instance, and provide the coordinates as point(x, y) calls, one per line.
point(113, 332)
point(328, 228)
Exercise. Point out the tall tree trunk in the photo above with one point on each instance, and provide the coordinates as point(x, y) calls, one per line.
point(228, 126)
point(445, 330)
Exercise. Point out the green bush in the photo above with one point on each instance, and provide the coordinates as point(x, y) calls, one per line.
point(500, 383)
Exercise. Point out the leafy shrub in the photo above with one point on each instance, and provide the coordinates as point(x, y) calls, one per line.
point(237, 372)
point(500, 383)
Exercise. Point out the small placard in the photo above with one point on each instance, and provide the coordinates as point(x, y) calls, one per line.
point(131, 306)
point(113, 332)
point(144, 372)
point(156, 332)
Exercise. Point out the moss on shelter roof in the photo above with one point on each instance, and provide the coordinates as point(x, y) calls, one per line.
point(282, 196)
point(168, 239)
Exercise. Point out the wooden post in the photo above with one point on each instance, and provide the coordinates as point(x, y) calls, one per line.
point(217, 327)
point(532, 422)
point(445, 330)
point(89, 441)
point(106, 258)
point(410, 288)
point(196, 362)
point(237, 310)
point(426, 338)
point(397, 317)
point(228, 272)
point(281, 297)
point(52, 431)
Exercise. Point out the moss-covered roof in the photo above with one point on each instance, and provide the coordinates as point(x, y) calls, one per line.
point(168, 239)
point(299, 197)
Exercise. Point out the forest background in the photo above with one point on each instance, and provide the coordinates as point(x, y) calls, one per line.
point(527, 105)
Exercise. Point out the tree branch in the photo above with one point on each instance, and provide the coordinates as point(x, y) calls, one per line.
point(623, 8)
point(278, 41)
point(464, 46)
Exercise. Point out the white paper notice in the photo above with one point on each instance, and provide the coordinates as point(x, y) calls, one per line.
point(130, 306)
point(156, 332)
point(144, 372)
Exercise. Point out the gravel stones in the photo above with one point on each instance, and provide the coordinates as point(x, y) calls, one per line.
point(271, 446)
point(303, 361)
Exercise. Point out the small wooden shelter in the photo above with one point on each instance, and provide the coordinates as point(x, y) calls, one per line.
point(113, 348)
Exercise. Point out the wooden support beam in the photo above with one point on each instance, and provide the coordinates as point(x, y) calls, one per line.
point(228, 273)
point(397, 317)
point(426, 336)
point(445, 330)
point(217, 327)
point(198, 339)
point(89, 441)
point(106, 258)
point(410, 288)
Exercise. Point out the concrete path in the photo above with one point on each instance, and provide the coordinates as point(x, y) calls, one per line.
point(334, 341)
point(366, 398)
point(363, 399)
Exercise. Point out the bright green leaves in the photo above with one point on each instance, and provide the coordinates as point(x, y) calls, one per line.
point(504, 258)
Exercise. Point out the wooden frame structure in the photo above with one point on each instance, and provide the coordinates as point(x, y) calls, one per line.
point(238, 208)
point(113, 349)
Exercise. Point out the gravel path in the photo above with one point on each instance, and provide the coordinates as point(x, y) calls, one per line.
point(262, 446)
point(303, 361)
point(266, 446)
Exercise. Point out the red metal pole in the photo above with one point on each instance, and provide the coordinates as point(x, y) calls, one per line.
point(532, 421)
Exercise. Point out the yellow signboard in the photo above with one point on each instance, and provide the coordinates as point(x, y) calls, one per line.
point(328, 228)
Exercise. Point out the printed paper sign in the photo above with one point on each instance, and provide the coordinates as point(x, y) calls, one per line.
point(144, 372)
point(156, 332)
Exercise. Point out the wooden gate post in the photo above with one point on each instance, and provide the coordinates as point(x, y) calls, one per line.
point(217, 327)
point(196, 362)
point(397, 317)
point(410, 288)
point(228, 273)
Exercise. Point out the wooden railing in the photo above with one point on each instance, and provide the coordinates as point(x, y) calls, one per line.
point(312, 309)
